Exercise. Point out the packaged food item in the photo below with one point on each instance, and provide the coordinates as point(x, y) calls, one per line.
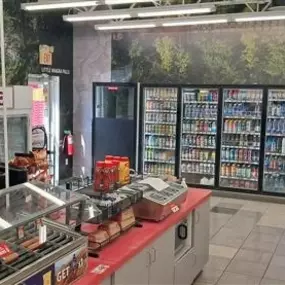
point(98, 239)
point(124, 173)
point(126, 219)
point(112, 228)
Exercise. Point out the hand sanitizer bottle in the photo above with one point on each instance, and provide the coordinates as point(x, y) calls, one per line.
point(183, 183)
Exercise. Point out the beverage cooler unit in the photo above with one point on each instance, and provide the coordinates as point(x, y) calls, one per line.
point(274, 156)
point(159, 129)
point(198, 135)
point(240, 138)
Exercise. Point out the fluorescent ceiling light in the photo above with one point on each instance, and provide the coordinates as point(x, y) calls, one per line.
point(140, 12)
point(50, 5)
point(169, 12)
point(119, 2)
point(82, 18)
point(195, 22)
point(124, 27)
point(260, 18)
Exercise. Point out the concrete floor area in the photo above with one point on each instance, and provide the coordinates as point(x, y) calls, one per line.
point(247, 243)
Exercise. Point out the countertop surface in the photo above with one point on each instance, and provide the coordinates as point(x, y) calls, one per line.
point(121, 250)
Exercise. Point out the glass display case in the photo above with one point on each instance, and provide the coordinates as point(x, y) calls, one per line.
point(32, 201)
point(18, 135)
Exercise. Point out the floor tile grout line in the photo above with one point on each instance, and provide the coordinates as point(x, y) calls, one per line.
point(272, 256)
point(216, 283)
point(238, 249)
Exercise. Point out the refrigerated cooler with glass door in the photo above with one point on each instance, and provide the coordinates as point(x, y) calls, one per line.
point(159, 129)
point(198, 138)
point(240, 139)
point(274, 160)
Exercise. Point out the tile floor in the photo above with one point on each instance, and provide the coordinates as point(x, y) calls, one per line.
point(247, 243)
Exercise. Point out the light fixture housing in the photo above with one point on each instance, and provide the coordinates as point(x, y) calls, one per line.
point(120, 2)
point(92, 16)
point(60, 4)
point(125, 26)
point(194, 22)
point(260, 16)
point(173, 10)
point(164, 22)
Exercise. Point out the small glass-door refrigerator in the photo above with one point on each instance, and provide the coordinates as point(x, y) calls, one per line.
point(198, 135)
point(274, 160)
point(159, 129)
point(241, 138)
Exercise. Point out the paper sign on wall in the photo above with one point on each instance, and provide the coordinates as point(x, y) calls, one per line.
point(46, 53)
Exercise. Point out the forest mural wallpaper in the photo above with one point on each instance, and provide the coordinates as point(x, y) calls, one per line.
point(235, 54)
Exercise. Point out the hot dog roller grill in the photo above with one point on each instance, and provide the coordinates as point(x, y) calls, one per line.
point(160, 198)
point(37, 237)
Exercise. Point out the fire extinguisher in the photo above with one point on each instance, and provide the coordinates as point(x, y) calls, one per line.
point(68, 148)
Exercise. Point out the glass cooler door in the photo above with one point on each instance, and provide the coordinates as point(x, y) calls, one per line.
point(18, 139)
point(240, 143)
point(160, 117)
point(274, 160)
point(199, 129)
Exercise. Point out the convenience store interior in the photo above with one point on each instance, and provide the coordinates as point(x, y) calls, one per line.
point(198, 99)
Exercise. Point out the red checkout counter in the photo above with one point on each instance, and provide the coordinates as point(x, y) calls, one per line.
point(158, 253)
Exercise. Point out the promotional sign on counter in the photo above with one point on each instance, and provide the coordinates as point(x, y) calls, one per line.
point(63, 272)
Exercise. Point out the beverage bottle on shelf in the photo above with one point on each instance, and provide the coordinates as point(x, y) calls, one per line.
point(240, 154)
point(249, 154)
point(227, 154)
point(226, 126)
point(278, 110)
point(231, 154)
point(248, 172)
point(283, 146)
point(234, 126)
point(279, 164)
point(223, 153)
point(245, 157)
point(223, 170)
point(239, 126)
point(243, 171)
point(274, 127)
point(248, 125)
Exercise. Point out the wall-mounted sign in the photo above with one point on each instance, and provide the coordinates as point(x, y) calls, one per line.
point(46, 53)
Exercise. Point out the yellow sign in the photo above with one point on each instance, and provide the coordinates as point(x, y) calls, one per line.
point(47, 278)
point(46, 53)
point(38, 94)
